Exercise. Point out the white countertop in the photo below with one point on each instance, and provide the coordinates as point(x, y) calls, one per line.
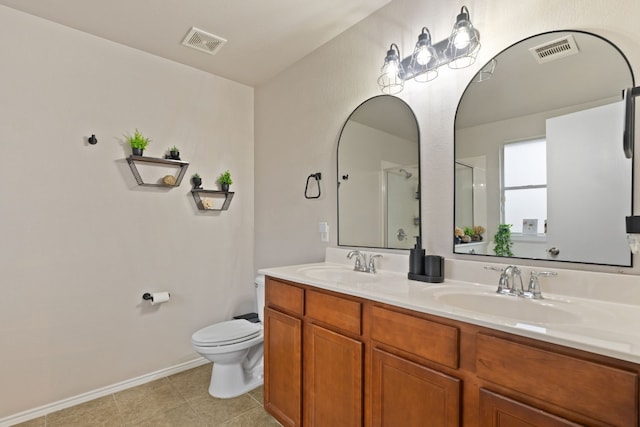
point(602, 327)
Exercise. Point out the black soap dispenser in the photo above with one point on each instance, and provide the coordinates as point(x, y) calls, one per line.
point(416, 259)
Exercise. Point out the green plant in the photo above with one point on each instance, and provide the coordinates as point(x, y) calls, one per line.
point(174, 148)
point(503, 242)
point(225, 178)
point(137, 140)
point(468, 231)
point(195, 175)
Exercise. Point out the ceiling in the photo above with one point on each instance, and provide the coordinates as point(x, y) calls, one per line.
point(263, 37)
point(520, 86)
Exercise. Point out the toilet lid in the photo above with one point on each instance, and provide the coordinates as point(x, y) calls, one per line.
point(225, 333)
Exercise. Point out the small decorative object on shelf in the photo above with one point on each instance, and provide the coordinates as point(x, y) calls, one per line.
point(138, 142)
point(196, 181)
point(169, 180)
point(225, 180)
point(205, 199)
point(174, 153)
point(157, 180)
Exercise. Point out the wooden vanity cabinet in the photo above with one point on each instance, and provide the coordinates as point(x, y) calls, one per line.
point(406, 392)
point(283, 352)
point(339, 360)
point(500, 411)
point(333, 361)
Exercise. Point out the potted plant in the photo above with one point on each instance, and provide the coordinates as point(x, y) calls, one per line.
point(138, 142)
point(174, 153)
point(196, 181)
point(502, 241)
point(225, 180)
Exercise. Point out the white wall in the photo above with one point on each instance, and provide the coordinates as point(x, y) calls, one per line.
point(300, 112)
point(81, 242)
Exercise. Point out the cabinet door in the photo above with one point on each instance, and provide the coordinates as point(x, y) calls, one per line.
point(283, 367)
point(500, 411)
point(333, 376)
point(411, 395)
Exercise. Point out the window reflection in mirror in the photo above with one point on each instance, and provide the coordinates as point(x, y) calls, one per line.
point(543, 137)
point(379, 176)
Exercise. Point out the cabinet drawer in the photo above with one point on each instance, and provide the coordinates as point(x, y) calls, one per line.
point(496, 411)
point(601, 392)
point(424, 338)
point(283, 296)
point(339, 312)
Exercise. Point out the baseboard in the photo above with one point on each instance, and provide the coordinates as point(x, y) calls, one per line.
point(94, 394)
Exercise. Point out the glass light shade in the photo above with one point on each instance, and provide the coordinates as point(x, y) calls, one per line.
point(390, 81)
point(486, 72)
point(464, 42)
point(424, 54)
point(424, 60)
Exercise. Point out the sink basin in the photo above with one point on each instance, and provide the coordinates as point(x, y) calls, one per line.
point(338, 274)
point(511, 307)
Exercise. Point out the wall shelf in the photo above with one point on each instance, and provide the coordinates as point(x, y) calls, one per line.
point(182, 169)
point(200, 195)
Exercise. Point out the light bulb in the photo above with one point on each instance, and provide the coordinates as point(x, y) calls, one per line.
point(423, 56)
point(390, 69)
point(462, 39)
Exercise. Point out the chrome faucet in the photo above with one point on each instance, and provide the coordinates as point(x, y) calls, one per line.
point(512, 272)
point(533, 290)
point(372, 263)
point(507, 281)
point(361, 262)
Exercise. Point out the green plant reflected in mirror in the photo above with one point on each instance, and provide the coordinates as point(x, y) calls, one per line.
point(543, 138)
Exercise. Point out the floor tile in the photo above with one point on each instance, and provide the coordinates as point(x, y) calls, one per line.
point(258, 394)
point(194, 383)
point(38, 422)
point(182, 416)
point(97, 412)
point(217, 411)
point(256, 417)
point(148, 400)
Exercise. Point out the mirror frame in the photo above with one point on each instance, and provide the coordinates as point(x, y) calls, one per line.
point(626, 61)
point(338, 178)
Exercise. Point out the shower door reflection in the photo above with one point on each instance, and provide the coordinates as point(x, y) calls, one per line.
point(401, 210)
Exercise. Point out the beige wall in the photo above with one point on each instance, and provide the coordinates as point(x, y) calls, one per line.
point(81, 242)
point(299, 113)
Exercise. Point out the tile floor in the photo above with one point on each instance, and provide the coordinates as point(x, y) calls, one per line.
point(180, 400)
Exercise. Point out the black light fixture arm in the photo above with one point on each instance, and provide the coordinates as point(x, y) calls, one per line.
point(629, 120)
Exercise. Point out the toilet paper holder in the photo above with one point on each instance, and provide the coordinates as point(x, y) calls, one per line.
point(147, 296)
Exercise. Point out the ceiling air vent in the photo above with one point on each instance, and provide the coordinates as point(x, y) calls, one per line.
point(555, 49)
point(203, 41)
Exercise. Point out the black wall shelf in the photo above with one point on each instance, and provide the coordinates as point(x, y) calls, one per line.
point(199, 193)
point(182, 169)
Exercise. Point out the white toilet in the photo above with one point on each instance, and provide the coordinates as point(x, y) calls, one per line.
point(236, 348)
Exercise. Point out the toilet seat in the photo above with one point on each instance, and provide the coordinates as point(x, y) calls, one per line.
point(226, 333)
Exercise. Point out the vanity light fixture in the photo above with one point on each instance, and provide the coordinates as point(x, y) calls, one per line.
point(390, 81)
point(459, 50)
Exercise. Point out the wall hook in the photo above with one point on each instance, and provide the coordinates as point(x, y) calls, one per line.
point(92, 140)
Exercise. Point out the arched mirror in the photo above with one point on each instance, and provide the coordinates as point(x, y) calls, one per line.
point(379, 176)
point(539, 153)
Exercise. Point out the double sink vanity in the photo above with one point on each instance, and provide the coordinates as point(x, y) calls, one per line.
point(351, 348)
point(348, 348)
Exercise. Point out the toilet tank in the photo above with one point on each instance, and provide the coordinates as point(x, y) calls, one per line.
point(260, 296)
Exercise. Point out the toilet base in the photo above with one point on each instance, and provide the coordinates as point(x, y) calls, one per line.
point(232, 380)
